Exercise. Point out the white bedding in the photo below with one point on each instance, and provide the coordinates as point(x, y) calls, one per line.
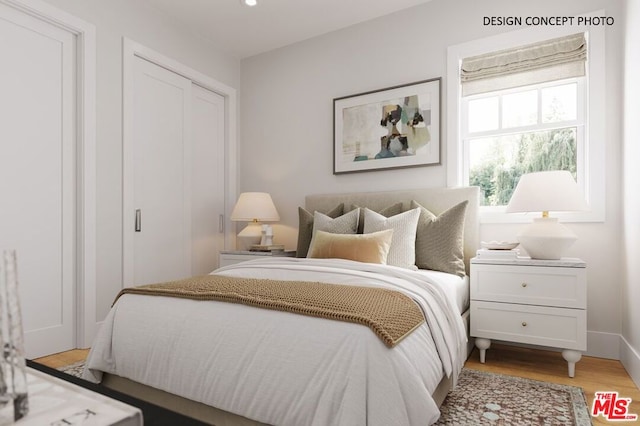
point(456, 288)
point(283, 368)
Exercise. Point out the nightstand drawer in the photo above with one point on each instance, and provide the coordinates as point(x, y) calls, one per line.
point(549, 286)
point(537, 325)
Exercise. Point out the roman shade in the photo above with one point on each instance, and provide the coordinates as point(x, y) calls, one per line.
point(548, 60)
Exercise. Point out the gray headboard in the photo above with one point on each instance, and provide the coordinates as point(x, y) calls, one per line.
point(436, 200)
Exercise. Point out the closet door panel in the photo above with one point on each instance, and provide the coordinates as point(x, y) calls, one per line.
point(207, 180)
point(162, 130)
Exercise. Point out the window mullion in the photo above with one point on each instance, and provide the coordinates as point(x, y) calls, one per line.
point(539, 92)
point(524, 129)
point(499, 112)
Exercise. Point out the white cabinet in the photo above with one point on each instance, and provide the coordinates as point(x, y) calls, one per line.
point(231, 257)
point(538, 302)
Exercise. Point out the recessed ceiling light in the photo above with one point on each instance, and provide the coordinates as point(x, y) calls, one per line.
point(249, 3)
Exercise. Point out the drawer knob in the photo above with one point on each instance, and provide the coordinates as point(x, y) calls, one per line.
point(523, 285)
point(524, 323)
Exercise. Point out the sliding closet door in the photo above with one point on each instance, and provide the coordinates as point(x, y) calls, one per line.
point(175, 215)
point(207, 179)
point(38, 174)
point(161, 174)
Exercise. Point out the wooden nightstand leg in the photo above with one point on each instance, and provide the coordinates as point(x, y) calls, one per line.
point(483, 345)
point(571, 357)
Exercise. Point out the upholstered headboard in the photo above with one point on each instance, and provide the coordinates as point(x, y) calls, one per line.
point(437, 200)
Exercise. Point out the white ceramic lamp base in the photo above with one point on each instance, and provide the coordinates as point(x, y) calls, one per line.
point(249, 236)
point(546, 238)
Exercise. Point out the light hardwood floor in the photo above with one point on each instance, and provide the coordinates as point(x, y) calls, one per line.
point(63, 358)
point(592, 374)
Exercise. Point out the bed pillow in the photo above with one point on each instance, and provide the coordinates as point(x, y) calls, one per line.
point(305, 227)
point(403, 246)
point(440, 239)
point(368, 248)
point(345, 224)
point(388, 211)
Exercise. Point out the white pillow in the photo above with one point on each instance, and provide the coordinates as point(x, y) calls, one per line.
point(403, 245)
point(345, 224)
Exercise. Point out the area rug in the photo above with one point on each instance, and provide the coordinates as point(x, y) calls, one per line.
point(495, 399)
point(74, 369)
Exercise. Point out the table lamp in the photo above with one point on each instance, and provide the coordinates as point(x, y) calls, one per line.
point(557, 191)
point(253, 207)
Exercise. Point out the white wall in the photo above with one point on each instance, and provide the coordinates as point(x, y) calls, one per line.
point(287, 122)
point(630, 355)
point(113, 20)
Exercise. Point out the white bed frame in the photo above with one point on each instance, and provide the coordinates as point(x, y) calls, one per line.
point(437, 200)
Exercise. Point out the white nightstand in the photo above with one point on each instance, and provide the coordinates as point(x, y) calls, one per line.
point(538, 302)
point(229, 257)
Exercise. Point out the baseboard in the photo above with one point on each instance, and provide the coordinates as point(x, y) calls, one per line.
point(603, 345)
point(630, 359)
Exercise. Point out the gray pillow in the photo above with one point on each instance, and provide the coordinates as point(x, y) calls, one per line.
point(345, 224)
point(440, 239)
point(388, 211)
point(305, 227)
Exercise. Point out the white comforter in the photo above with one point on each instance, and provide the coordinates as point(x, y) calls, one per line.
point(282, 368)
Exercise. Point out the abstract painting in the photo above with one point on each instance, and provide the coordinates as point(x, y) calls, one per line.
point(387, 129)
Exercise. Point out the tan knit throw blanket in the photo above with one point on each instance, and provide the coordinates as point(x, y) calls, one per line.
point(390, 314)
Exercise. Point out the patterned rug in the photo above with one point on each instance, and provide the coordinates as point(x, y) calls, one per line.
point(494, 399)
point(73, 369)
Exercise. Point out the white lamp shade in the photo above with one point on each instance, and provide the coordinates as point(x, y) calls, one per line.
point(547, 191)
point(255, 207)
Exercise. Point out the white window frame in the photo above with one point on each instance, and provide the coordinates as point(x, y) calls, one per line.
point(579, 123)
point(594, 135)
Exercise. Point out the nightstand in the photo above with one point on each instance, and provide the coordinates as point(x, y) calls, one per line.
point(538, 302)
point(230, 257)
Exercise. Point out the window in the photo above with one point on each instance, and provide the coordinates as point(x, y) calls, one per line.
point(501, 129)
point(508, 133)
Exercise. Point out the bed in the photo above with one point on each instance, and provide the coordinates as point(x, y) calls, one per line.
point(228, 363)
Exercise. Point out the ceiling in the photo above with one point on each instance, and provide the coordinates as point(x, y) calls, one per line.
point(243, 31)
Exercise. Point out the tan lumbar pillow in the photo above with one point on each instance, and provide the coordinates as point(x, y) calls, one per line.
point(368, 248)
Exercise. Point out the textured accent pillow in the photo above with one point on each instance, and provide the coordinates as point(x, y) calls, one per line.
point(305, 227)
point(345, 224)
point(388, 211)
point(368, 248)
point(440, 239)
point(403, 246)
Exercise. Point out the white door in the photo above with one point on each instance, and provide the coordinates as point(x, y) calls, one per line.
point(162, 187)
point(207, 179)
point(178, 174)
point(38, 174)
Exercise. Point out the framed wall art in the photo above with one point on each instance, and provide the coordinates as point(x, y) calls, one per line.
point(387, 129)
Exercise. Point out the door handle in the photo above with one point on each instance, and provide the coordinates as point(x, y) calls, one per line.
point(138, 220)
point(221, 223)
